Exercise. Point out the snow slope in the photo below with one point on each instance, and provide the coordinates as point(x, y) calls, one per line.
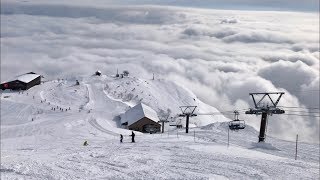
point(50, 145)
point(162, 96)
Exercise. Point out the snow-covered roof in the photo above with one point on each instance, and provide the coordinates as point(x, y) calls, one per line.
point(138, 112)
point(26, 78)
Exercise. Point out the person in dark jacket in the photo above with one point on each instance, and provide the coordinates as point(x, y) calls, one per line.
point(121, 138)
point(132, 137)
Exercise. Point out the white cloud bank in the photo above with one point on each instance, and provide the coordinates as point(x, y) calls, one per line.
point(220, 62)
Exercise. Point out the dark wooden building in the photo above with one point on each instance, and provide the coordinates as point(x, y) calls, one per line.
point(141, 118)
point(22, 82)
point(98, 73)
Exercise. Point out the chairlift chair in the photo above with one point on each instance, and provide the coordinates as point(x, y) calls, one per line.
point(236, 124)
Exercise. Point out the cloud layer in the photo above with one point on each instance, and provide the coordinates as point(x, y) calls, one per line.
point(220, 62)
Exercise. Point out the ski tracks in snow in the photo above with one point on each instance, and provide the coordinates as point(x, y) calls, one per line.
point(96, 125)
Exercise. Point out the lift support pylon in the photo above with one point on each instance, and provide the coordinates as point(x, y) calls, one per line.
point(265, 110)
point(187, 111)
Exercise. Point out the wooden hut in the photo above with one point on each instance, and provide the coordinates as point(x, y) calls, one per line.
point(141, 118)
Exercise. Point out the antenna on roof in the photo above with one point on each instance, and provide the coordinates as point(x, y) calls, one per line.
point(117, 75)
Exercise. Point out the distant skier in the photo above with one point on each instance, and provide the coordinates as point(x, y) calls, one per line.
point(121, 138)
point(85, 143)
point(132, 137)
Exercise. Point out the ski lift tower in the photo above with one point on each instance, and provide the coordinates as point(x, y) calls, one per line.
point(265, 110)
point(164, 120)
point(187, 111)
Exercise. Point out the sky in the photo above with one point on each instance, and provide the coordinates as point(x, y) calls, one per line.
point(220, 55)
point(280, 5)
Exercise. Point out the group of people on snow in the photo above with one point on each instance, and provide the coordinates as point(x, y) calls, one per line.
point(132, 137)
point(121, 139)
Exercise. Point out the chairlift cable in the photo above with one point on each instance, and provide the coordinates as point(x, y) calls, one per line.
point(303, 112)
point(300, 115)
point(300, 107)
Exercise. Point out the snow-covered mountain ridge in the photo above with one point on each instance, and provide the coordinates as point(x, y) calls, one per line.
point(99, 97)
point(43, 129)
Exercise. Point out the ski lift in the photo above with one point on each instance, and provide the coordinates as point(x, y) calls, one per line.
point(237, 124)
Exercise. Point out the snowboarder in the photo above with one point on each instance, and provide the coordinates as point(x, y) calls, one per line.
point(121, 138)
point(132, 137)
point(85, 143)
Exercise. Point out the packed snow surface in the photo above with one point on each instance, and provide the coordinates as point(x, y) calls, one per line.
point(43, 130)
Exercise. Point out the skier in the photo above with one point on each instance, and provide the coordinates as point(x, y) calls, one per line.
point(121, 138)
point(85, 143)
point(132, 137)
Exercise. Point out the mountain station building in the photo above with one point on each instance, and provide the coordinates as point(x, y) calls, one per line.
point(141, 118)
point(22, 82)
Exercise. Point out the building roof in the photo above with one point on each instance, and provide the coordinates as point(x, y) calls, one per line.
point(138, 112)
point(26, 78)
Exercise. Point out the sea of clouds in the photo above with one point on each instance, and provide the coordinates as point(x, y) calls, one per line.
point(221, 55)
